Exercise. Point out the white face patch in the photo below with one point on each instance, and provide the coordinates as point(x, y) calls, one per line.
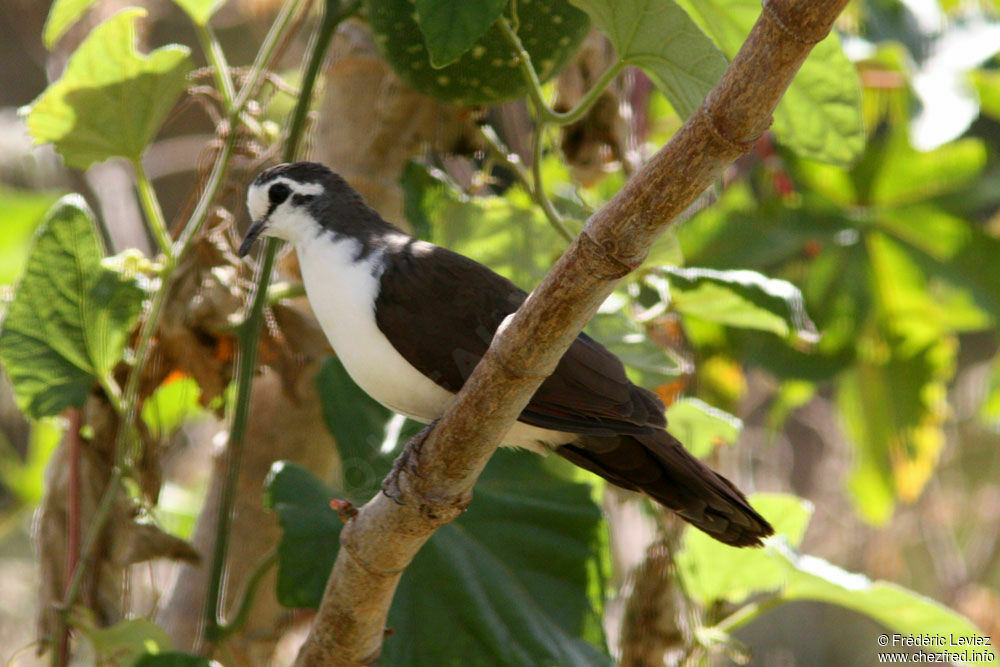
point(287, 221)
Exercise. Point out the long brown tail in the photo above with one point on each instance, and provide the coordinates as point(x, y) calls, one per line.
point(659, 466)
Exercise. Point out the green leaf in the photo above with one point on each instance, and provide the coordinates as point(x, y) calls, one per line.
point(310, 533)
point(25, 475)
point(200, 11)
point(62, 15)
point(701, 427)
point(893, 404)
point(517, 579)
point(173, 403)
point(508, 234)
point(745, 299)
point(20, 214)
point(648, 364)
point(123, 643)
point(987, 85)
point(661, 38)
point(110, 100)
point(510, 582)
point(451, 27)
point(906, 175)
point(71, 316)
point(819, 116)
point(358, 424)
point(172, 659)
point(906, 612)
point(712, 571)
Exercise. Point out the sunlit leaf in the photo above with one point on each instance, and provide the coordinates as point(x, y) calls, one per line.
point(62, 15)
point(124, 642)
point(700, 426)
point(906, 175)
point(200, 11)
point(712, 571)
point(660, 37)
point(819, 116)
point(173, 403)
point(71, 316)
point(21, 213)
point(893, 405)
point(451, 27)
point(741, 299)
point(110, 100)
point(899, 609)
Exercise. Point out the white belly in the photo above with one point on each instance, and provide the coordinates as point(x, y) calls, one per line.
point(342, 295)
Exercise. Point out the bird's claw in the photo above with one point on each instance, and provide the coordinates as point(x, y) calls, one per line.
point(390, 485)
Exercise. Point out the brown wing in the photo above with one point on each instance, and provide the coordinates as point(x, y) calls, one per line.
point(588, 392)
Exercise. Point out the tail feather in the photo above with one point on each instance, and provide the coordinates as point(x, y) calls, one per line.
point(659, 466)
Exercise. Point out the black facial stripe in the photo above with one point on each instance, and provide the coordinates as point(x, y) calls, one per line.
point(300, 199)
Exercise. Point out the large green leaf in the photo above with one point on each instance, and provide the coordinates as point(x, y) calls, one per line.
point(712, 571)
point(899, 609)
point(661, 38)
point(906, 175)
point(744, 299)
point(71, 316)
point(20, 214)
point(110, 100)
point(514, 580)
point(310, 533)
point(451, 27)
point(511, 582)
point(820, 115)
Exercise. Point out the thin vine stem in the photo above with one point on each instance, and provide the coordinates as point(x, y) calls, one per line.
point(513, 162)
point(747, 613)
point(541, 196)
point(544, 113)
point(154, 213)
point(220, 68)
point(245, 604)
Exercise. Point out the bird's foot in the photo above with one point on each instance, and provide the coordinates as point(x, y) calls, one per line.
point(408, 460)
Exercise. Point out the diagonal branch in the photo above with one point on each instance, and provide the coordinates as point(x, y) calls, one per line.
point(378, 544)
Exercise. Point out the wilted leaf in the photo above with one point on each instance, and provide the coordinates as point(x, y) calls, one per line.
point(110, 100)
point(451, 27)
point(661, 38)
point(70, 318)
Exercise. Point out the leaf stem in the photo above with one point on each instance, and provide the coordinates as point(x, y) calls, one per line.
point(541, 196)
point(747, 613)
point(220, 68)
point(513, 162)
point(245, 603)
point(154, 213)
point(543, 112)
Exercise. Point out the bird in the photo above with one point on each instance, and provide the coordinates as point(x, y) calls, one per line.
point(410, 320)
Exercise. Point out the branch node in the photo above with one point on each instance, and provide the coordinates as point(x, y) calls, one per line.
point(739, 147)
point(771, 13)
point(347, 545)
point(607, 251)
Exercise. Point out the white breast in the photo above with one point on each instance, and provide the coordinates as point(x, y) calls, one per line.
point(342, 294)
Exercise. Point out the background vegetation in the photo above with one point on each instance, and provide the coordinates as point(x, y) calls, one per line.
point(822, 324)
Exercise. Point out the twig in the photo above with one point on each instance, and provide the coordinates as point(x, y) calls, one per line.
point(381, 541)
